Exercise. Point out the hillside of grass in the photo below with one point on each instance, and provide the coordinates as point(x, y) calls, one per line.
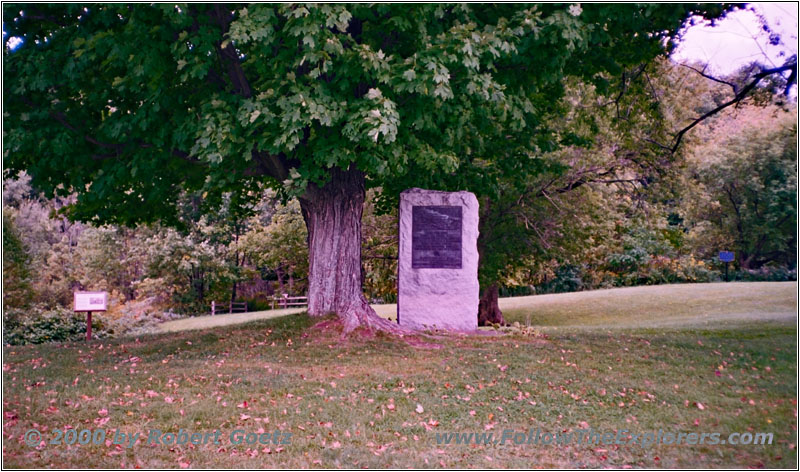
point(680, 305)
point(670, 364)
point(648, 306)
point(223, 319)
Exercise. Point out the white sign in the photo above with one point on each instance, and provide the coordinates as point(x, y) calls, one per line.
point(90, 301)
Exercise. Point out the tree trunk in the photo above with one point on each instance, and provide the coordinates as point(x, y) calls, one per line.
point(333, 217)
point(489, 309)
point(746, 261)
point(279, 274)
point(235, 264)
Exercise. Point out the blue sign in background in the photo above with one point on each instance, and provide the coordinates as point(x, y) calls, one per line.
point(726, 256)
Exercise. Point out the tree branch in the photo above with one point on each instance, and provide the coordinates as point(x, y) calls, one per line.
point(792, 66)
point(273, 165)
point(710, 77)
point(268, 164)
point(228, 54)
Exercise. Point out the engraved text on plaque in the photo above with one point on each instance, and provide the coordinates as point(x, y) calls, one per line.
point(436, 237)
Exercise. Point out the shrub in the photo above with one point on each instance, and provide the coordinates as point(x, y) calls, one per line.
point(765, 274)
point(516, 290)
point(667, 270)
point(40, 325)
point(637, 268)
point(132, 324)
point(567, 278)
point(258, 303)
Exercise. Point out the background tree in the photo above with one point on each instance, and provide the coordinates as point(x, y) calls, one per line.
point(319, 101)
point(614, 141)
point(112, 259)
point(17, 290)
point(744, 188)
point(550, 214)
point(280, 247)
point(50, 241)
point(380, 243)
point(138, 262)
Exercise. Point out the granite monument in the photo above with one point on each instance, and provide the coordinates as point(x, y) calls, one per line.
point(438, 260)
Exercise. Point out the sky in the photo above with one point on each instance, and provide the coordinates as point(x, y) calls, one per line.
point(739, 39)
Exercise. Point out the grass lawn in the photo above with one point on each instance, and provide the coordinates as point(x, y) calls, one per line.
point(225, 319)
point(677, 359)
point(651, 306)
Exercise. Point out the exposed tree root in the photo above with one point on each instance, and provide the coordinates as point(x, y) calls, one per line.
point(359, 314)
point(359, 320)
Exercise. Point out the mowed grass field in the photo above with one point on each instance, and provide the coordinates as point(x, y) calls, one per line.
point(714, 358)
point(659, 306)
point(634, 307)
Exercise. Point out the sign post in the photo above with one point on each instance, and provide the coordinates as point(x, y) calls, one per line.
point(89, 302)
point(726, 257)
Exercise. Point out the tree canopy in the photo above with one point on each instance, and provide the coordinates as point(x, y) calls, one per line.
point(128, 105)
point(133, 106)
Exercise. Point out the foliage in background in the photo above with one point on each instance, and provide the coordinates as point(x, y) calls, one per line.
point(151, 272)
point(16, 266)
point(379, 246)
point(280, 248)
point(742, 189)
point(616, 209)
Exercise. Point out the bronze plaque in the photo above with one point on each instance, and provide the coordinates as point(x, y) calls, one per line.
point(436, 237)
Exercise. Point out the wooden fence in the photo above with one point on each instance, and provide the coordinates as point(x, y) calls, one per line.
point(233, 307)
point(241, 307)
point(289, 302)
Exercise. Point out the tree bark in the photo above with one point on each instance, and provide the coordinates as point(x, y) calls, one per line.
point(489, 309)
point(279, 274)
point(333, 217)
point(236, 264)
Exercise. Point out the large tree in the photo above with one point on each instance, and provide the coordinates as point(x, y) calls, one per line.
point(129, 106)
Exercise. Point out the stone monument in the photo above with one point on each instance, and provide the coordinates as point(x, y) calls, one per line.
point(437, 285)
